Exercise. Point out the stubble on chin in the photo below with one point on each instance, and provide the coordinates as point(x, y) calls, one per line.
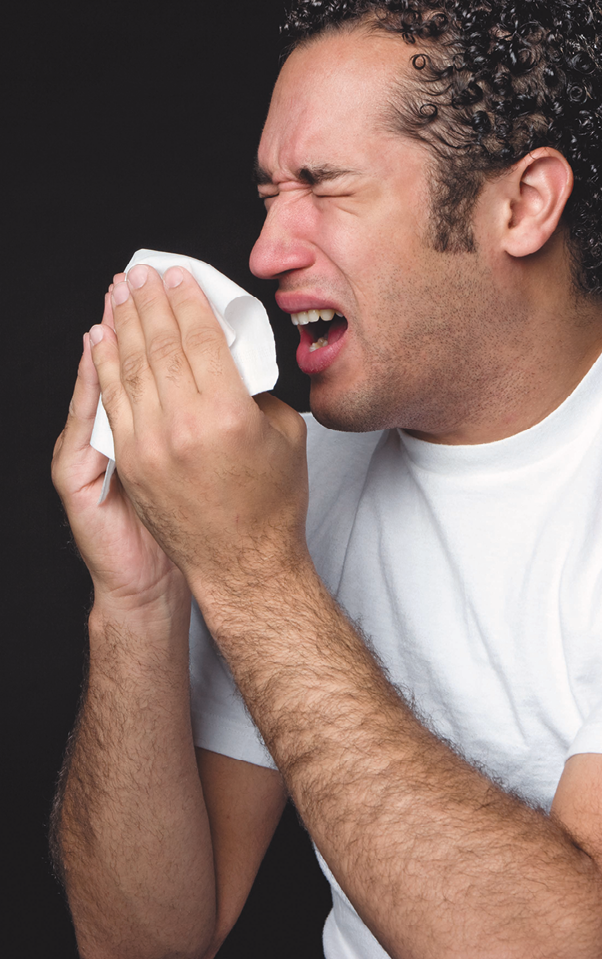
point(358, 410)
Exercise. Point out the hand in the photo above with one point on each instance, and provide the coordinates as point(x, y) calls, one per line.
point(219, 479)
point(128, 568)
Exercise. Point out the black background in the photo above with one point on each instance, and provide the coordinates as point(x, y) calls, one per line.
point(125, 126)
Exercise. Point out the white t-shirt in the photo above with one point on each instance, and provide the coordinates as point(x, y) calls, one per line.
point(477, 573)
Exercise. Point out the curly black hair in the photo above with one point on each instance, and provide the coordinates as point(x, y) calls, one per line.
point(495, 79)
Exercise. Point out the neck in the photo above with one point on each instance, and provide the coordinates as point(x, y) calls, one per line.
point(529, 381)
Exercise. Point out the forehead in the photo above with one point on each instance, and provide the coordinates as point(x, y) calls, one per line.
point(329, 100)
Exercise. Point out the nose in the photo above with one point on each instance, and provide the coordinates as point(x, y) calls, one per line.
point(282, 245)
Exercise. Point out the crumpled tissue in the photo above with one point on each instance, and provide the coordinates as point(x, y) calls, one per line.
point(243, 319)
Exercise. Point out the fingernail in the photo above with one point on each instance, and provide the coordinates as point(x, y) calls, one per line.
point(173, 277)
point(120, 294)
point(137, 276)
point(96, 334)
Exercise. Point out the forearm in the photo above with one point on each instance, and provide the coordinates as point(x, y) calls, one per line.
point(132, 827)
point(437, 860)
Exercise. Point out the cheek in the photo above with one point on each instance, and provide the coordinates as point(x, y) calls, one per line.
point(398, 258)
point(387, 268)
point(341, 240)
point(355, 239)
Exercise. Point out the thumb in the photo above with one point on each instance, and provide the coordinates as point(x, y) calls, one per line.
point(282, 417)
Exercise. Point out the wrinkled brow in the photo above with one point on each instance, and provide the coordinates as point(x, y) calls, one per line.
point(307, 174)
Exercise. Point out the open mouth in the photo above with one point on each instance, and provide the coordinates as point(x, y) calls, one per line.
point(324, 327)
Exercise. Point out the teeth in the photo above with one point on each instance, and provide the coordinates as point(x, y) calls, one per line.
point(323, 341)
point(312, 316)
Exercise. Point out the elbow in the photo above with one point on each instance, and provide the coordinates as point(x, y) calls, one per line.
point(217, 941)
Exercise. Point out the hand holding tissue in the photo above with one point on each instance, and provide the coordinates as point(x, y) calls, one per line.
point(243, 319)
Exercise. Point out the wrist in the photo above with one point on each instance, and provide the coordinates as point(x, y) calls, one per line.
point(234, 603)
point(164, 602)
point(146, 627)
point(150, 618)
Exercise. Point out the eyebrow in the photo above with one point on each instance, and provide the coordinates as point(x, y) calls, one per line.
point(311, 175)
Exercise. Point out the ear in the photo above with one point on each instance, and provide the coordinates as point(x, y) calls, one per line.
point(537, 189)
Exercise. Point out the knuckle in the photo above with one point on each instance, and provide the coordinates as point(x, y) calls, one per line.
point(204, 339)
point(300, 427)
point(133, 365)
point(60, 442)
point(231, 423)
point(55, 469)
point(132, 369)
point(232, 426)
point(166, 348)
point(111, 396)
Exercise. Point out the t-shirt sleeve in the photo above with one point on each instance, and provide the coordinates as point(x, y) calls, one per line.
point(589, 737)
point(220, 720)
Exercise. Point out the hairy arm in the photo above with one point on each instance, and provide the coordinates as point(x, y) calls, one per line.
point(157, 860)
point(131, 823)
point(158, 846)
point(437, 860)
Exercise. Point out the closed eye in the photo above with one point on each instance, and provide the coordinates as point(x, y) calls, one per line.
point(332, 196)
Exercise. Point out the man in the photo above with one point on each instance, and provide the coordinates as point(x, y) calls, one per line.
point(429, 173)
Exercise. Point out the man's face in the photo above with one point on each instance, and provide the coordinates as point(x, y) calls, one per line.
point(347, 230)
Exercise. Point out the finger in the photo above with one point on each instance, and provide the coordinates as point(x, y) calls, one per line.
point(107, 316)
point(74, 460)
point(82, 408)
point(203, 340)
point(106, 359)
point(136, 374)
point(282, 417)
point(152, 326)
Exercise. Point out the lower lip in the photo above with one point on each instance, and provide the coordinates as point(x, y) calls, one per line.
point(316, 361)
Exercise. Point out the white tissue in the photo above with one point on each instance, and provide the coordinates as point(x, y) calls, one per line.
point(243, 319)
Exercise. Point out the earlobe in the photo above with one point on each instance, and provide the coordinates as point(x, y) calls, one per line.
point(539, 187)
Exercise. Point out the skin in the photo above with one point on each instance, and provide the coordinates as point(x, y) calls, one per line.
point(438, 861)
point(141, 816)
point(449, 346)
